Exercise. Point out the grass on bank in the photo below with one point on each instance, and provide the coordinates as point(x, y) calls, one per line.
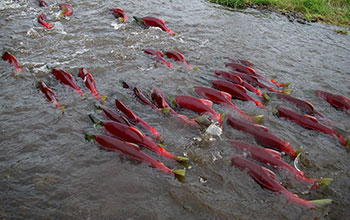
point(335, 12)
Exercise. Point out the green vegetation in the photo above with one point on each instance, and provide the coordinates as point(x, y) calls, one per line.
point(328, 11)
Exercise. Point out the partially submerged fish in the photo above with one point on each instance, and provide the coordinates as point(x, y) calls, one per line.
point(49, 94)
point(42, 3)
point(133, 135)
point(267, 179)
point(177, 56)
point(310, 122)
point(219, 97)
point(6, 56)
point(237, 66)
point(200, 106)
point(273, 158)
point(262, 135)
point(112, 115)
point(236, 91)
point(132, 151)
point(120, 14)
point(144, 100)
point(66, 9)
point(89, 83)
point(158, 56)
point(153, 22)
point(136, 120)
point(41, 20)
point(159, 100)
point(303, 105)
point(234, 78)
point(67, 79)
point(339, 102)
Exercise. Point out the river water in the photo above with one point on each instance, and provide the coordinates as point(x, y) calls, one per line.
point(49, 171)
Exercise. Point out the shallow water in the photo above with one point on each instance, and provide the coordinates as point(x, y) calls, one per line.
point(48, 170)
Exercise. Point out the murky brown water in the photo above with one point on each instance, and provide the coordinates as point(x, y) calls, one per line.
point(48, 170)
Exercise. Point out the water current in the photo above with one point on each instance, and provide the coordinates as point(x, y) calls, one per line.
point(49, 171)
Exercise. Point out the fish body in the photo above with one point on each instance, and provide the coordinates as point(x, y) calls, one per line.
point(67, 79)
point(267, 179)
point(119, 13)
point(262, 135)
point(200, 106)
point(66, 8)
point(6, 56)
point(247, 69)
point(177, 56)
point(89, 82)
point(309, 122)
point(304, 106)
point(41, 20)
point(112, 115)
point(130, 150)
point(42, 3)
point(254, 81)
point(158, 98)
point(242, 68)
point(234, 78)
point(136, 120)
point(153, 22)
point(158, 56)
point(49, 94)
point(235, 90)
point(133, 135)
point(219, 97)
point(272, 158)
point(144, 100)
point(337, 101)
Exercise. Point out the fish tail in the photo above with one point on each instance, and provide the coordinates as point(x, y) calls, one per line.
point(322, 182)
point(321, 202)
point(89, 137)
point(179, 172)
point(347, 144)
point(280, 84)
point(180, 159)
point(95, 120)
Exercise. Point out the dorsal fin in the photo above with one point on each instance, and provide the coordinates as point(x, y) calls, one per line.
point(273, 153)
point(261, 127)
point(255, 78)
point(137, 147)
point(239, 79)
point(159, 53)
point(242, 88)
point(226, 95)
point(207, 102)
point(269, 172)
point(136, 131)
point(251, 69)
point(312, 118)
point(309, 104)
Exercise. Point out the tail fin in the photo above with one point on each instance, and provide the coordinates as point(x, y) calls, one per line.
point(89, 137)
point(321, 202)
point(181, 159)
point(180, 172)
point(95, 120)
point(324, 182)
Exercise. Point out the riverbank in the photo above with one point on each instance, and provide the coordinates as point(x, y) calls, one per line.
point(336, 12)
